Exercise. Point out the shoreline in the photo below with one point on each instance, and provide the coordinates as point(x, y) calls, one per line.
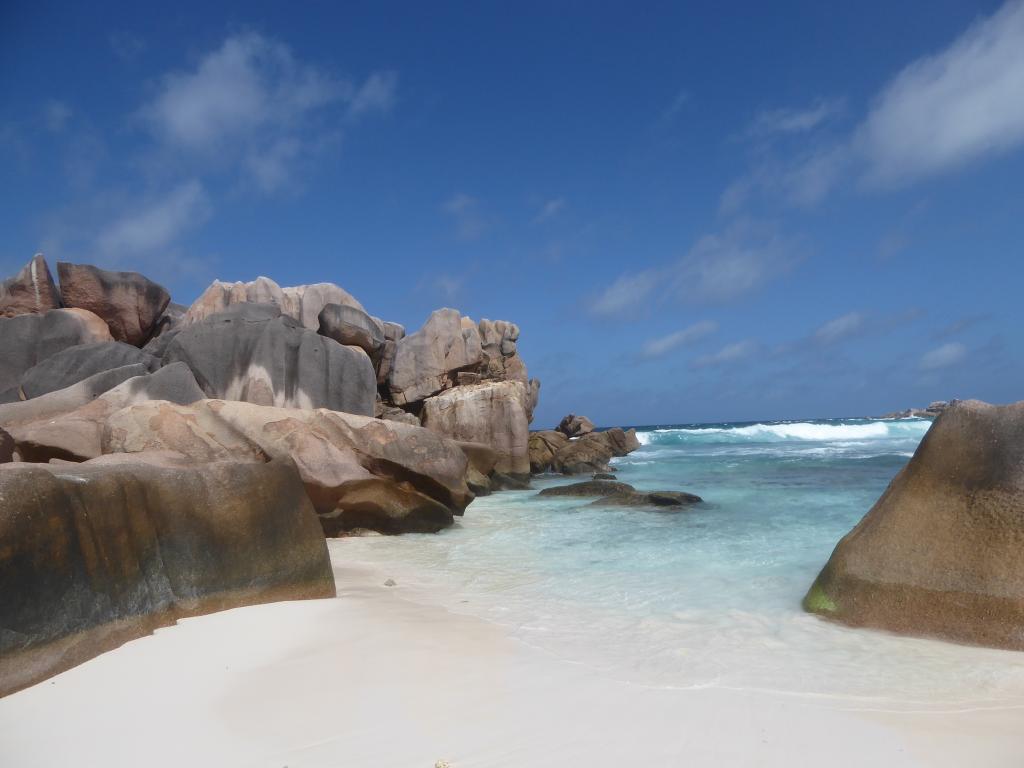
point(385, 676)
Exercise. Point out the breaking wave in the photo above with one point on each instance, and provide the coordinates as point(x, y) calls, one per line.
point(778, 432)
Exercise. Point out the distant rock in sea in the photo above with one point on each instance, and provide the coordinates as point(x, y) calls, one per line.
point(930, 412)
point(611, 493)
point(553, 451)
point(942, 551)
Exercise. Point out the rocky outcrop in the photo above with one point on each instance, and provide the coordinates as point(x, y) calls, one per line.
point(75, 364)
point(500, 359)
point(552, 451)
point(942, 551)
point(352, 327)
point(930, 412)
point(77, 435)
point(492, 413)
point(343, 459)
point(302, 303)
point(27, 340)
point(96, 555)
point(482, 460)
point(128, 303)
point(252, 353)
point(611, 493)
point(6, 447)
point(575, 426)
point(393, 332)
point(426, 362)
point(31, 291)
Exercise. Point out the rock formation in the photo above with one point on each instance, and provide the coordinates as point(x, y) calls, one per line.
point(250, 352)
point(353, 327)
point(302, 303)
point(98, 554)
point(426, 362)
point(575, 426)
point(128, 303)
point(942, 551)
point(27, 340)
point(611, 493)
point(31, 291)
point(74, 364)
point(552, 451)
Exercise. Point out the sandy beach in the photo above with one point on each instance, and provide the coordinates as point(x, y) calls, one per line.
point(382, 676)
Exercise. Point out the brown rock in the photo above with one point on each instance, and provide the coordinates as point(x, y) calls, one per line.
point(491, 413)
point(543, 447)
point(575, 426)
point(942, 551)
point(95, 555)
point(128, 303)
point(31, 291)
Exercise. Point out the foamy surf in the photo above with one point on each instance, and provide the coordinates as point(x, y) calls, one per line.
point(805, 431)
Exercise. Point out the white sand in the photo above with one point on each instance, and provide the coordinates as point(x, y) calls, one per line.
point(384, 677)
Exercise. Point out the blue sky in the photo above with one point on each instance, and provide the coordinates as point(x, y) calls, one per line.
point(694, 213)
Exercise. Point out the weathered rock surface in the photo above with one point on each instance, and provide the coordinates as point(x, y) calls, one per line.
point(482, 459)
point(419, 476)
point(352, 327)
point(575, 426)
point(500, 358)
point(302, 303)
point(172, 317)
point(94, 556)
point(390, 413)
point(611, 493)
point(31, 291)
point(392, 333)
point(6, 447)
point(77, 435)
point(942, 551)
point(492, 413)
point(252, 353)
point(552, 451)
point(426, 362)
point(27, 340)
point(75, 364)
point(128, 303)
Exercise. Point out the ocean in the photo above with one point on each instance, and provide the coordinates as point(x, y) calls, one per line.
point(710, 596)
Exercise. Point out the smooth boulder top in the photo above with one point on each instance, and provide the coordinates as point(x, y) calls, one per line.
point(352, 327)
point(74, 364)
point(96, 555)
point(575, 426)
point(31, 291)
point(27, 340)
point(941, 553)
point(302, 303)
point(129, 303)
point(614, 493)
point(426, 361)
point(252, 353)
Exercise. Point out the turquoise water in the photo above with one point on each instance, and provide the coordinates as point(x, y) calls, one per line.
point(709, 596)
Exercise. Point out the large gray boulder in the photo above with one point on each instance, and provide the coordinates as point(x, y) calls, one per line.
point(74, 364)
point(492, 413)
point(352, 327)
point(428, 361)
point(31, 291)
point(941, 553)
point(97, 554)
point(29, 339)
point(129, 303)
point(359, 472)
point(252, 353)
point(302, 303)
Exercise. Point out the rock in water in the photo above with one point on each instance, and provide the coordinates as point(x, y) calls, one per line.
point(426, 362)
point(75, 364)
point(31, 291)
point(129, 303)
point(942, 551)
point(100, 553)
point(27, 340)
point(612, 493)
point(252, 353)
point(492, 413)
point(575, 426)
point(352, 327)
point(543, 447)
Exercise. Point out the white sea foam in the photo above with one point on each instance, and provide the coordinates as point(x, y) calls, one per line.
point(789, 431)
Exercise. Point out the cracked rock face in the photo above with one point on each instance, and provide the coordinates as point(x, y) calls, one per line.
point(427, 362)
point(31, 291)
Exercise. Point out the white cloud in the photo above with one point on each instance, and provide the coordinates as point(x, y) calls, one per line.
point(157, 224)
point(795, 121)
point(550, 209)
point(470, 223)
point(946, 110)
point(730, 353)
point(56, 115)
point(944, 356)
point(665, 344)
point(839, 328)
point(250, 104)
point(626, 295)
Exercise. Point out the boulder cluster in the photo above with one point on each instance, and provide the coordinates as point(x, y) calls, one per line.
point(575, 449)
point(160, 460)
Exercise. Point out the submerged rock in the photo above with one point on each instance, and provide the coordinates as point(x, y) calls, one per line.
point(941, 553)
point(31, 291)
point(97, 554)
point(614, 493)
point(129, 303)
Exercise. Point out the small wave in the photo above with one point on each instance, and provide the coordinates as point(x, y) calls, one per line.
point(803, 431)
